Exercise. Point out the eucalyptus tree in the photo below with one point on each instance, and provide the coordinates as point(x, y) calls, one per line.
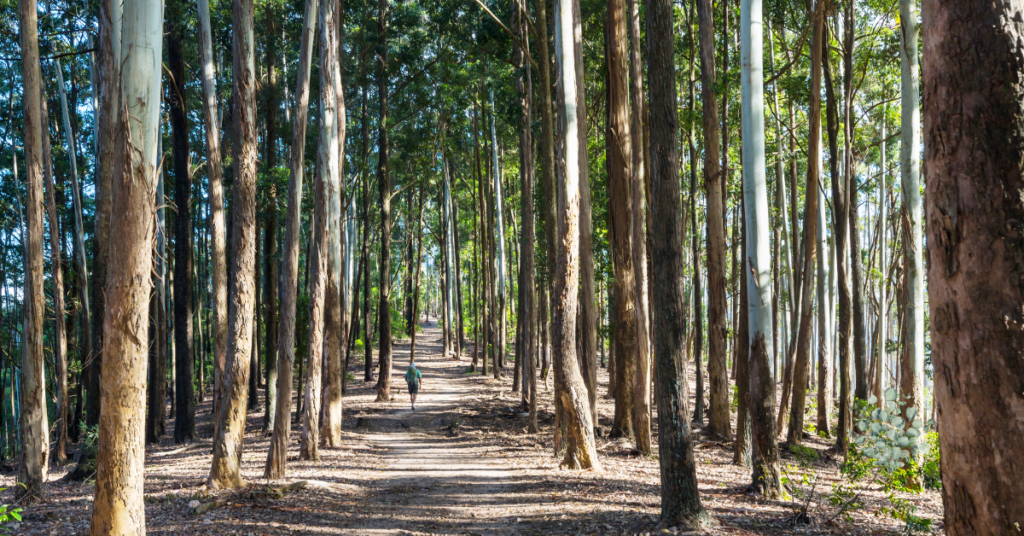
point(580, 451)
point(214, 174)
point(384, 191)
point(801, 363)
point(225, 471)
point(35, 444)
point(714, 184)
point(118, 508)
point(619, 158)
point(680, 500)
point(184, 389)
point(912, 356)
point(277, 454)
point(973, 149)
point(59, 344)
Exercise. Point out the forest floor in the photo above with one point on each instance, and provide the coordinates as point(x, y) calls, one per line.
point(461, 463)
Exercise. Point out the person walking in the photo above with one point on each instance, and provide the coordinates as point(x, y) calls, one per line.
point(413, 378)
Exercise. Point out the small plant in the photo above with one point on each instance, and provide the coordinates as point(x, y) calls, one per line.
point(904, 511)
point(350, 376)
point(931, 476)
point(846, 499)
point(887, 439)
point(803, 454)
point(9, 514)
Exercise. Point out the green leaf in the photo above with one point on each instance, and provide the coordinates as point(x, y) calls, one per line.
point(918, 424)
point(16, 515)
point(890, 394)
point(896, 421)
point(891, 406)
point(873, 400)
point(913, 432)
point(911, 412)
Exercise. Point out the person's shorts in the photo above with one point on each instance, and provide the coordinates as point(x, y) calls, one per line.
point(413, 388)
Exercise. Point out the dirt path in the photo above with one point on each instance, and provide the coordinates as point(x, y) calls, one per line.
point(461, 464)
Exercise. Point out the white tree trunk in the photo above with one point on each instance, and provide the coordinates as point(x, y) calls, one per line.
point(910, 172)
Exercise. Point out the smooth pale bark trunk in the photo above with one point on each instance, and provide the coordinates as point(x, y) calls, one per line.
point(118, 508)
point(713, 184)
point(214, 174)
point(642, 401)
point(680, 500)
point(741, 445)
point(330, 427)
point(278, 452)
point(973, 149)
point(757, 256)
point(384, 191)
point(883, 299)
point(60, 345)
point(35, 445)
point(225, 471)
point(580, 451)
point(619, 148)
point(184, 389)
point(80, 258)
point(801, 363)
point(912, 357)
point(499, 261)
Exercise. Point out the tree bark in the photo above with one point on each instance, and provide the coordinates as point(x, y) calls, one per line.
point(713, 184)
point(384, 189)
point(35, 444)
point(802, 362)
point(185, 417)
point(912, 356)
point(118, 508)
point(619, 158)
point(973, 150)
point(580, 452)
point(330, 431)
point(278, 452)
point(60, 345)
point(214, 173)
point(680, 501)
point(227, 447)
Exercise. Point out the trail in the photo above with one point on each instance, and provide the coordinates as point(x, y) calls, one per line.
point(464, 490)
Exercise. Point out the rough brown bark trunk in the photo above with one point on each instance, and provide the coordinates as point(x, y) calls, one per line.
point(619, 147)
point(802, 361)
point(35, 446)
point(741, 452)
point(185, 416)
point(270, 293)
point(225, 471)
point(713, 185)
point(384, 188)
point(973, 150)
point(680, 500)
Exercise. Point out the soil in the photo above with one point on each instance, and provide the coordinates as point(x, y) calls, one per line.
point(462, 463)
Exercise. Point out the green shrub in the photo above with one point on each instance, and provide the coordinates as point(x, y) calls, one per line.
point(8, 514)
point(931, 476)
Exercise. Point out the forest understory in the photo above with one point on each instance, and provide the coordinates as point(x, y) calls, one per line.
point(463, 463)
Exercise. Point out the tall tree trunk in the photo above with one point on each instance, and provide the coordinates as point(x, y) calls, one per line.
point(912, 357)
point(756, 257)
point(225, 471)
point(840, 219)
point(528, 303)
point(330, 430)
point(214, 173)
point(278, 452)
point(35, 445)
point(802, 362)
point(619, 158)
point(270, 293)
point(118, 508)
point(973, 149)
point(713, 185)
point(185, 417)
point(824, 368)
point(580, 452)
point(60, 345)
point(642, 401)
point(680, 501)
point(365, 257)
point(698, 294)
point(384, 188)
point(741, 450)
